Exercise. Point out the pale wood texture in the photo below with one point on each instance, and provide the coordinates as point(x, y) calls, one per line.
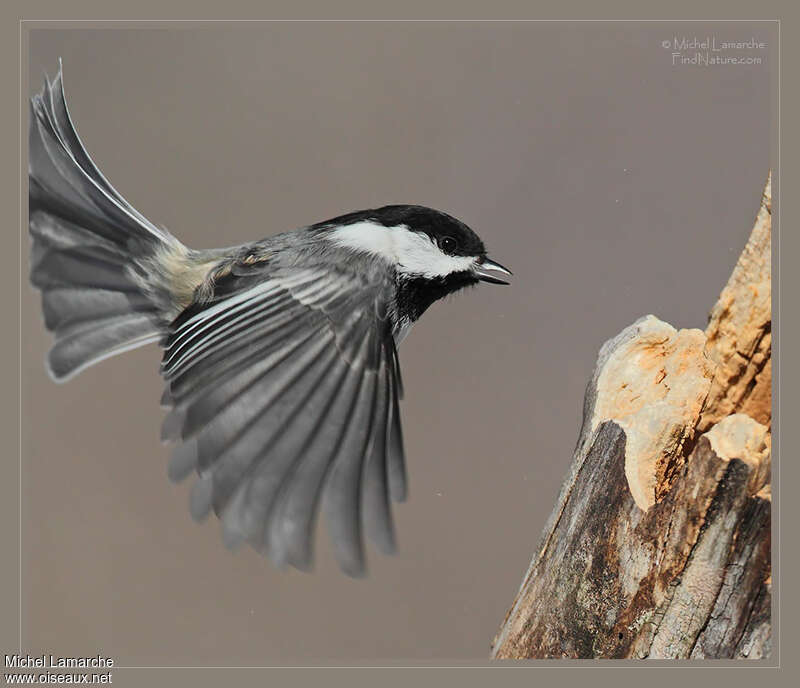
point(659, 544)
point(739, 331)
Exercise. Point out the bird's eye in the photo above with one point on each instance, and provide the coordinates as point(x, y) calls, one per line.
point(448, 244)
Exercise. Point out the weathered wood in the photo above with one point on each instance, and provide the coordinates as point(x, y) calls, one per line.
point(659, 544)
point(739, 331)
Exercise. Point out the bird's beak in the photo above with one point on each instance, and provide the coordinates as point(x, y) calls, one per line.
point(486, 270)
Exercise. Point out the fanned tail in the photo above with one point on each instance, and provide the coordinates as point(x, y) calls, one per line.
point(105, 272)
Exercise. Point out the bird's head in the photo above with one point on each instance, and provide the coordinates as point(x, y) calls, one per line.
point(432, 253)
point(418, 242)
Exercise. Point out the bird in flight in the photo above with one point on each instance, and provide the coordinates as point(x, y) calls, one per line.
point(279, 356)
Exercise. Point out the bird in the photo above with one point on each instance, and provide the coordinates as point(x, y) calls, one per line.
point(280, 357)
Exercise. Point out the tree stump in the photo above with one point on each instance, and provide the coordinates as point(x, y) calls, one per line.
point(659, 544)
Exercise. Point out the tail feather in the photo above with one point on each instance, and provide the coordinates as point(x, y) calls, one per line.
point(65, 306)
point(79, 267)
point(98, 262)
point(76, 350)
point(61, 122)
point(64, 171)
point(54, 231)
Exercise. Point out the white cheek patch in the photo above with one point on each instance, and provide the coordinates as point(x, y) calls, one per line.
point(411, 253)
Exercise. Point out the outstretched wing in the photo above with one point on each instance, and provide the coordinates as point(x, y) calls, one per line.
point(284, 390)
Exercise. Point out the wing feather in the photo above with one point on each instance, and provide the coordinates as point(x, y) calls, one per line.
point(377, 511)
point(256, 462)
point(395, 452)
point(289, 536)
point(342, 499)
point(302, 482)
point(285, 392)
point(227, 361)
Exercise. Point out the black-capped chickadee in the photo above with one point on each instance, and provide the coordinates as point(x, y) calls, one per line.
point(280, 356)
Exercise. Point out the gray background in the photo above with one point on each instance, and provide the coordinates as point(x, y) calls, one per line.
point(613, 184)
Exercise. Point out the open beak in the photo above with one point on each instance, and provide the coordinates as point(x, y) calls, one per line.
point(486, 270)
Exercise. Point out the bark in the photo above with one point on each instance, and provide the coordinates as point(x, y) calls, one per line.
point(659, 544)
